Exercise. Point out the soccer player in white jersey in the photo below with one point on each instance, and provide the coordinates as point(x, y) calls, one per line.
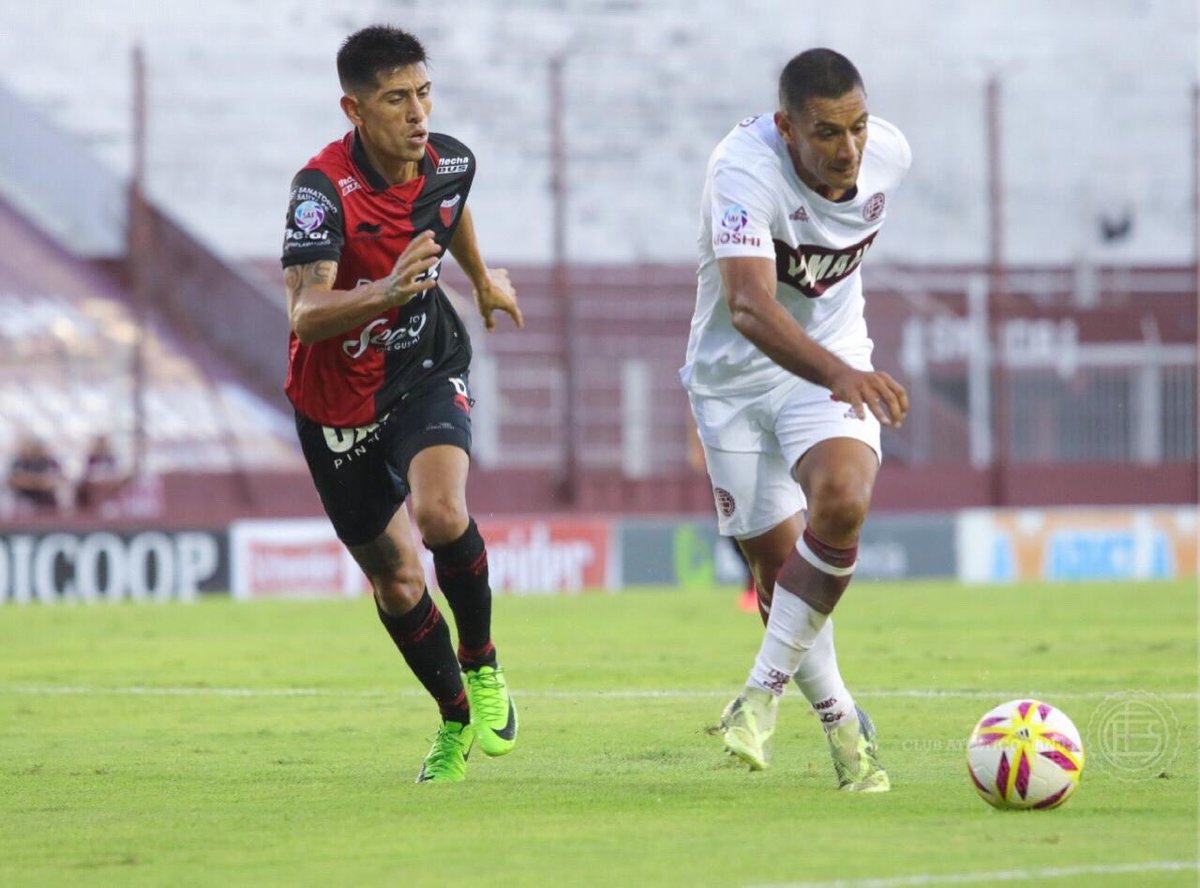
point(779, 375)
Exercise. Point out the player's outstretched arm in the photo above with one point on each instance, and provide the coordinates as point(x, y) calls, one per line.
point(493, 290)
point(757, 315)
point(316, 311)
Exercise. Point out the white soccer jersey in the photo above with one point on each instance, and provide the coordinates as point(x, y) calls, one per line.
point(754, 204)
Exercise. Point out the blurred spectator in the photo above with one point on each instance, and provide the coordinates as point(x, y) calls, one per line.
point(102, 477)
point(35, 476)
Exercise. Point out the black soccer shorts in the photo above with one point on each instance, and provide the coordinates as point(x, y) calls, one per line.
point(361, 474)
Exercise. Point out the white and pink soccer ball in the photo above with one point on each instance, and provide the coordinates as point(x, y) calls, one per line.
point(1025, 754)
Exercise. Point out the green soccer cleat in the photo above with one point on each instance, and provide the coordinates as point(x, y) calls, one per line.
point(854, 747)
point(447, 759)
point(747, 724)
point(493, 714)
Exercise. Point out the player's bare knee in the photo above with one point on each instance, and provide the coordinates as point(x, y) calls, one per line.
point(394, 570)
point(839, 523)
point(838, 508)
point(399, 591)
point(440, 520)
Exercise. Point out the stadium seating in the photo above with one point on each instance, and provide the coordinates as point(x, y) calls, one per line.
point(68, 337)
point(648, 90)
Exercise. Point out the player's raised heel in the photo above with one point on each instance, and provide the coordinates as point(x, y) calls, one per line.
point(447, 758)
point(854, 747)
point(747, 724)
point(493, 713)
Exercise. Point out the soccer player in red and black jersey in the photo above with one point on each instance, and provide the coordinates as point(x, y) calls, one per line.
point(378, 375)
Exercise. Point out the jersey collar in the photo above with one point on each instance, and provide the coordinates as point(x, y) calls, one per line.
point(374, 178)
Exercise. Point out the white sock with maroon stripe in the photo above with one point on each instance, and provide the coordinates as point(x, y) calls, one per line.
point(791, 631)
point(798, 641)
point(820, 680)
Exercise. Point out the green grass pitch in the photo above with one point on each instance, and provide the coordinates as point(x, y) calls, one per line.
point(275, 743)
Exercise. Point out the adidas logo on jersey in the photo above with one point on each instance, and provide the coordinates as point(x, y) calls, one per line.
point(799, 214)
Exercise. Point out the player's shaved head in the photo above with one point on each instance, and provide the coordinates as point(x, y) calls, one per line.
point(367, 53)
point(816, 73)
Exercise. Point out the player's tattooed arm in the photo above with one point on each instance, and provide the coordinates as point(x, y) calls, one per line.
point(319, 274)
point(317, 311)
point(410, 275)
point(309, 288)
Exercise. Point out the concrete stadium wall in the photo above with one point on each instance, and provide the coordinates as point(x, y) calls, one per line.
point(1097, 111)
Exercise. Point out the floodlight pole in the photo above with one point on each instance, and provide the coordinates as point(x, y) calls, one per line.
point(1196, 215)
point(997, 287)
point(1196, 183)
point(137, 259)
point(561, 280)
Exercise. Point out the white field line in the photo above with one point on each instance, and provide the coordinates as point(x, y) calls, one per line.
point(36, 690)
point(1012, 875)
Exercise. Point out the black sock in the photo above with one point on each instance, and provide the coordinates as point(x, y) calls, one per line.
point(462, 573)
point(424, 640)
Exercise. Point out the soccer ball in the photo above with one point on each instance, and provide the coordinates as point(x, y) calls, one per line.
point(1025, 754)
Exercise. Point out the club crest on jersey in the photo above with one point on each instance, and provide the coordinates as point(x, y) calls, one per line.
point(873, 208)
point(449, 209)
point(462, 397)
point(812, 269)
point(725, 501)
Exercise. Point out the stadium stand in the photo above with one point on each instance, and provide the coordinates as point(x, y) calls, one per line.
point(583, 407)
point(68, 339)
point(649, 87)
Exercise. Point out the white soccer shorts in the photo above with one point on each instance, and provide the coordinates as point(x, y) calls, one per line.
point(751, 445)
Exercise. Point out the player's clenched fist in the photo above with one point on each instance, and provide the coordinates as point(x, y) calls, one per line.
point(408, 277)
point(874, 390)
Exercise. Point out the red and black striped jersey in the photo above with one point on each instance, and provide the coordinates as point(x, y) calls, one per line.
point(342, 209)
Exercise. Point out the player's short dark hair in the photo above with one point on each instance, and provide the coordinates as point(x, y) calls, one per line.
point(367, 53)
point(816, 73)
